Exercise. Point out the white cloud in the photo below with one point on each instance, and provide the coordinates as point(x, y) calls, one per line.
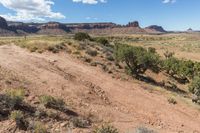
point(30, 10)
point(169, 1)
point(90, 1)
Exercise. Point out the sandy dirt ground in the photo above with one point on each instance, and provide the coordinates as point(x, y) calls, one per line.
point(87, 89)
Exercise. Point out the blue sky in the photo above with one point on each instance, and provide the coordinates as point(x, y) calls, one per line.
point(171, 14)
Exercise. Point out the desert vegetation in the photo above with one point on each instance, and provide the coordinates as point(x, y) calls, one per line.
point(81, 36)
point(137, 59)
point(106, 129)
point(28, 117)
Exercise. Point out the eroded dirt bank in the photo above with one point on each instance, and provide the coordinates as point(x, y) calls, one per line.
point(87, 89)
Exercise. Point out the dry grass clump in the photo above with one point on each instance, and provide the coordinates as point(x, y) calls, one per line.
point(172, 100)
point(105, 128)
point(39, 128)
point(51, 102)
point(15, 97)
point(19, 119)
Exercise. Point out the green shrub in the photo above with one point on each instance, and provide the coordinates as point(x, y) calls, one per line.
point(137, 59)
point(152, 50)
point(39, 128)
point(19, 119)
point(16, 115)
point(51, 102)
point(106, 129)
point(171, 65)
point(82, 36)
point(197, 69)
point(194, 86)
point(15, 97)
point(186, 69)
point(179, 68)
point(102, 40)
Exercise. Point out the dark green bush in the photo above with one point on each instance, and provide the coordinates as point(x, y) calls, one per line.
point(81, 36)
point(19, 119)
point(194, 86)
point(152, 50)
point(180, 69)
point(197, 69)
point(186, 69)
point(137, 59)
point(171, 65)
point(102, 40)
point(14, 97)
point(16, 115)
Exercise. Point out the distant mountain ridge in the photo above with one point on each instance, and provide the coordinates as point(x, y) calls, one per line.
point(56, 28)
point(155, 29)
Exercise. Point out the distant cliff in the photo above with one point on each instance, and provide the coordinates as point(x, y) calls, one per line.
point(155, 29)
point(88, 26)
point(5, 29)
point(56, 28)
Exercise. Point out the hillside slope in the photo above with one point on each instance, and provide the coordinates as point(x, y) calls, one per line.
point(126, 105)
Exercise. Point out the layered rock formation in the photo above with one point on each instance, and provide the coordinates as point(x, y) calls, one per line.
point(108, 28)
point(133, 24)
point(59, 28)
point(4, 29)
point(24, 27)
point(73, 26)
point(155, 29)
point(3, 23)
point(53, 28)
